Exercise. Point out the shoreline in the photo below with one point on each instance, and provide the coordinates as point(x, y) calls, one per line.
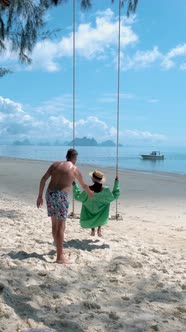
point(94, 166)
point(21, 177)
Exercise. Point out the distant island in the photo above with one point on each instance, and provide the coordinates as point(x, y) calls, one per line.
point(85, 141)
point(90, 142)
point(23, 142)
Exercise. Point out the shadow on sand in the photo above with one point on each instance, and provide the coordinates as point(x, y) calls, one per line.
point(87, 245)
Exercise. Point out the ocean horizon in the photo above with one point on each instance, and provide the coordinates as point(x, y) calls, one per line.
point(129, 156)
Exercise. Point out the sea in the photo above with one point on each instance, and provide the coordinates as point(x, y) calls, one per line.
point(129, 157)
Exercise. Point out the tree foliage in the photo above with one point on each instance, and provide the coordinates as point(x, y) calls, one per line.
point(131, 5)
point(21, 22)
point(4, 71)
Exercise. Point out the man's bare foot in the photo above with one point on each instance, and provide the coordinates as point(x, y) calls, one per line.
point(63, 260)
point(92, 232)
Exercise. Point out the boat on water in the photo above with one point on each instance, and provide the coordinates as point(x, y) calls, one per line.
point(154, 155)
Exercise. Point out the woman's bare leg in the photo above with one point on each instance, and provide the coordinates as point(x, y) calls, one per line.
point(92, 232)
point(99, 231)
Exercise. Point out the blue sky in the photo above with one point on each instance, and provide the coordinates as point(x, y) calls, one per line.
point(36, 100)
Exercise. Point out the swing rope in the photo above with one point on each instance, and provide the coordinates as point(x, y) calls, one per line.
point(74, 84)
point(74, 69)
point(118, 98)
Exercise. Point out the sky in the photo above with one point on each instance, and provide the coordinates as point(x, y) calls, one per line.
point(36, 101)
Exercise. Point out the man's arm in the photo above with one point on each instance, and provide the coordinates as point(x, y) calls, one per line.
point(42, 186)
point(86, 188)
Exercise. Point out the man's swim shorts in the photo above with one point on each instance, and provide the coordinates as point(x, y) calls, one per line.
point(57, 204)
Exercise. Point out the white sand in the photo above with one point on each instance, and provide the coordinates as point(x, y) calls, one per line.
point(133, 279)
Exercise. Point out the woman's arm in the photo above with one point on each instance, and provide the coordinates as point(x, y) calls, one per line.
point(79, 177)
point(116, 188)
point(79, 195)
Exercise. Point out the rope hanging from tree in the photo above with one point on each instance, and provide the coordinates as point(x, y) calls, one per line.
point(74, 70)
point(118, 98)
point(74, 85)
point(117, 216)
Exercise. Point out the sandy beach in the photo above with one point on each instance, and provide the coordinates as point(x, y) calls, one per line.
point(133, 279)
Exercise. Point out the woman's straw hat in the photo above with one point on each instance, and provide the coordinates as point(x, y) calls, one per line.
point(97, 176)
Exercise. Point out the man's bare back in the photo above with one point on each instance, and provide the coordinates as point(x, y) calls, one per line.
point(62, 174)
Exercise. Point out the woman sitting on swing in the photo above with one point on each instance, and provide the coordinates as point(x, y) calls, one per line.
point(95, 211)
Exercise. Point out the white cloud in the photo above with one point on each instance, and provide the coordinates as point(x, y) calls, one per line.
point(9, 106)
point(183, 66)
point(91, 127)
point(8, 56)
point(44, 56)
point(144, 135)
point(177, 51)
point(98, 40)
point(167, 63)
point(174, 54)
point(153, 101)
point(59, 122)
point(47, 123)
point(112, 97)
point(17, 123)
point(92, 41)
point(13, 120)
point(56, 105)
point(141, 59)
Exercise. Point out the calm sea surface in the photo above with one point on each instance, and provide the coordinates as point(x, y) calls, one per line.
point(129, 157)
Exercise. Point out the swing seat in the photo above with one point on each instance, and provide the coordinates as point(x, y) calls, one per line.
point(116, 217)
point(73, 215)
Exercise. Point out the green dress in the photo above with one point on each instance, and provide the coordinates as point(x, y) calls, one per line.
point(95, 211)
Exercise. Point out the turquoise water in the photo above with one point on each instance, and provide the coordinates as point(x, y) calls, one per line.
point(129, 157)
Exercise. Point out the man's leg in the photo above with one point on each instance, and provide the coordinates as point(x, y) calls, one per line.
point(59, 242)
point(54, 229)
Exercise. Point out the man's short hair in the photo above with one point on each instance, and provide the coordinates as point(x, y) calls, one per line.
point(71, 153)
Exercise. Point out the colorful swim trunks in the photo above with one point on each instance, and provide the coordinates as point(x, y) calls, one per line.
point(57, 204)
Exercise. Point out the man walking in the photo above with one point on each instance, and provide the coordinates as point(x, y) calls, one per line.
point(62, 174)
